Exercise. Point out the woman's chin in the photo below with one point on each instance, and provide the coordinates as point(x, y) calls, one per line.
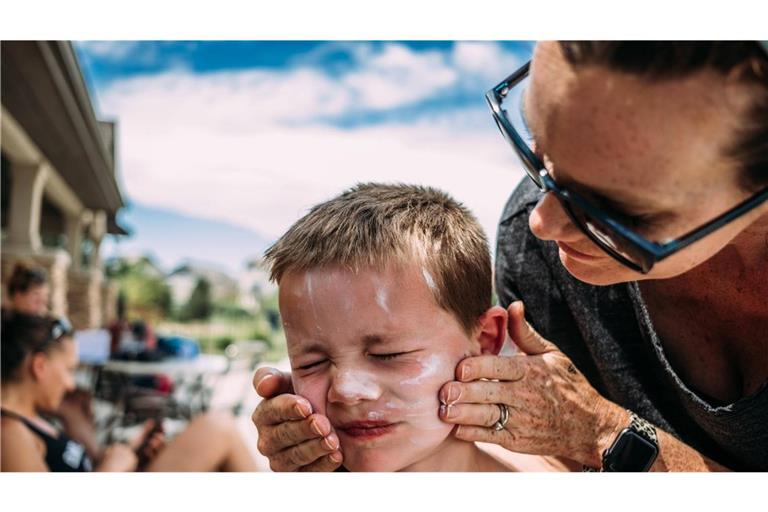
point(600, 272)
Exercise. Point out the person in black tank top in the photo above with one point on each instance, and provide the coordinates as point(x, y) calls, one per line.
point(39, 358)
point(61, 453)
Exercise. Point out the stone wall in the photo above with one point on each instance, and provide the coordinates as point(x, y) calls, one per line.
point(109, 301)
point(85, 298)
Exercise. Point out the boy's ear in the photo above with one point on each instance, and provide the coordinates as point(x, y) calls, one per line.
point(492, 330)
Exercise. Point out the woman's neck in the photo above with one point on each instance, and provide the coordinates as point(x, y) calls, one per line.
point(734, 281)
point(458, 456)
point(17, 398)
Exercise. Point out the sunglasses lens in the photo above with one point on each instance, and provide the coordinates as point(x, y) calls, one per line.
point(608, 239)
point(61, 327)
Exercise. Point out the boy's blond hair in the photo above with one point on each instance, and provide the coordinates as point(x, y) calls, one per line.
point(374, 225)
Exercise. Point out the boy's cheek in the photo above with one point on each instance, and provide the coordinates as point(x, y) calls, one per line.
point(313, 389)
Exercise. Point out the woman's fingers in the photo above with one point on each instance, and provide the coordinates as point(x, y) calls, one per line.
point(270, 382)
point(523, 335)
point(325, 464)
point(273, 411)
point(483, 435)
point(477, 392)
point(305, 454)
point(136, 441)
point(274, 439)
point(471, 414)
point(491, 367)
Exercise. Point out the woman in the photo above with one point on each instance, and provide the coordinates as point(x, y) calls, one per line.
point(638, 355)
point(39, 358)
point(28, 290)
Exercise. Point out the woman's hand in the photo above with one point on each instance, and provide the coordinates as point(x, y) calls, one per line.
point(290, 435)
point(119, 457)
point(148, 443)
point(553, 410)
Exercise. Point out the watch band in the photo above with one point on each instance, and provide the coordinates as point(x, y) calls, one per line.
point(643, 428)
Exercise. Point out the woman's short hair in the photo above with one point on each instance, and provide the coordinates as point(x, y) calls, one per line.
point(745, 61)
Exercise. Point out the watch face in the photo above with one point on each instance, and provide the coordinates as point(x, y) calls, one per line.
point(630, 452)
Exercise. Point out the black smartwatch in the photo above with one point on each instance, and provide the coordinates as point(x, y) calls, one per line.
point(634, 449)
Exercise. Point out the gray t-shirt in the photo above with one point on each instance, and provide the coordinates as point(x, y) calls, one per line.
point(608, 334)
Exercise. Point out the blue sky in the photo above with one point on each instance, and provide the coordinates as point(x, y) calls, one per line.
point(223, 144)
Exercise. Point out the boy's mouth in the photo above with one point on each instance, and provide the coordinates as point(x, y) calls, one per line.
point(365, 430)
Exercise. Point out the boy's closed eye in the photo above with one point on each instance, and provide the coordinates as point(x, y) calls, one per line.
point(383, 356)
point(391, 355)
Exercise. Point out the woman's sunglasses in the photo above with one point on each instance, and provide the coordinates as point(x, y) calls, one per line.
point(606, 229)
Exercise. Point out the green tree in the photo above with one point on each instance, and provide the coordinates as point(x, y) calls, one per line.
point(143, 289)
point(200, 304)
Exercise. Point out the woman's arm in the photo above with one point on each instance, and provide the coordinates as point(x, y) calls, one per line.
point(21, 451)
point(553, 409)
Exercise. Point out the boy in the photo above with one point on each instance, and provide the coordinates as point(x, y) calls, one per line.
point(383, 290)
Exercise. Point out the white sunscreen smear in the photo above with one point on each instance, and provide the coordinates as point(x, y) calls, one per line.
point(381, 299)
point(357, 385)
point(429, 367)
point(311, 294)
point(428, 279)
point(375, 415)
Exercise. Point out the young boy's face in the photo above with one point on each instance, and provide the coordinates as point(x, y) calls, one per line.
point(370, 350)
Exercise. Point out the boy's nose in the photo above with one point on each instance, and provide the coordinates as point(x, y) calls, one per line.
point(349, 387)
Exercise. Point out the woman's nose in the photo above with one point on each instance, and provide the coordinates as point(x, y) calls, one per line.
point(349, 387)
point(549, 221)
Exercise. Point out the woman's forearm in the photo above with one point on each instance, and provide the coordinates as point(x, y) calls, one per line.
point(674, 455)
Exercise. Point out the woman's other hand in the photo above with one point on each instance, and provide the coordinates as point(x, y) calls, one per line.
point(119, 457)
point(148, 443)
point(553, 409)
point(290, 435)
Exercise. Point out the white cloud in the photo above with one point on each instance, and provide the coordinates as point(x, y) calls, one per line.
point(112, 50)
point(240, 147)
point(487, 61)
point(398, 76)
point(121, 51)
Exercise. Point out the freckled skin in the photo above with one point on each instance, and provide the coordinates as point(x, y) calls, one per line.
point(351, 384)
point(619, 132)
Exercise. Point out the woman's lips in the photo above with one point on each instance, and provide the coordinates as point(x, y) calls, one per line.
point(570, 251)
point(364, 430)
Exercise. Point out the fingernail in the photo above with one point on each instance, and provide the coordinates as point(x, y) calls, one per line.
point(464, 372)
point(336, 457)
point(450, 412)
point(261, 380)
point(331, 442)
point(303, 408)
point(316, 427)
point(443, 410)
point(453, 393)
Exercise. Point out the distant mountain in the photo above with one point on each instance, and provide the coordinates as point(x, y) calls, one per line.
point(173, 239)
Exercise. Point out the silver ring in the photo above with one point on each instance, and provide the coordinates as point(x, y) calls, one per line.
point(503, 417)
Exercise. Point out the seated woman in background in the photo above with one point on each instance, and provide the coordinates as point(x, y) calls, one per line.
point(39, 358)
point(28, 290)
